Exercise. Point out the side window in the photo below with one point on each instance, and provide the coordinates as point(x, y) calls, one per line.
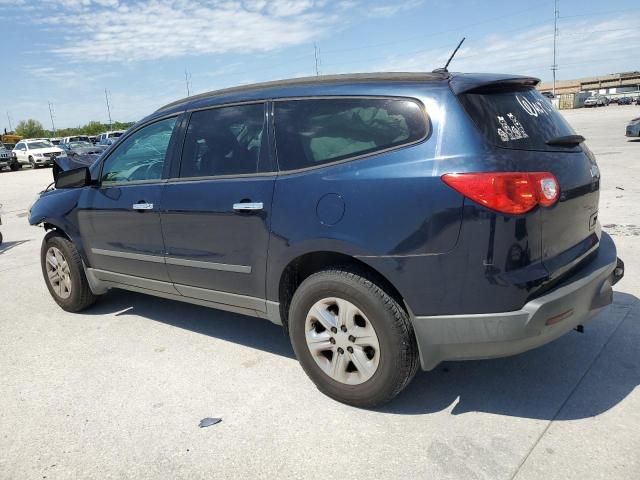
point(223, 141)
point(312, 132)
point(141, 156)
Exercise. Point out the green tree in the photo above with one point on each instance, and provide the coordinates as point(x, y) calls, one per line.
point(30, 128)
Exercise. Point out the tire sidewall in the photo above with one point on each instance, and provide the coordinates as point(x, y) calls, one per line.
point(383, 382)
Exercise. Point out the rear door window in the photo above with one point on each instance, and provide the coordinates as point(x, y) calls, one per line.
point(312, 132)
point(224, 141)
point(520, 119)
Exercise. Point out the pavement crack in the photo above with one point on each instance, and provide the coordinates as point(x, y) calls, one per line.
point(573, 390)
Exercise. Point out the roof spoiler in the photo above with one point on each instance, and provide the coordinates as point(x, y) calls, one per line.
point(470, 82)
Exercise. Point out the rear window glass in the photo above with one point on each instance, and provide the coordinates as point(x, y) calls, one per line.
point(318, 131)
point(522, 119)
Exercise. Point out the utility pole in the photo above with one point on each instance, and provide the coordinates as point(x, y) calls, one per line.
point(316, 52)
point(187, 81)
point(9, 118)
point(554, 67)
point(53, 126)
point(106, 96)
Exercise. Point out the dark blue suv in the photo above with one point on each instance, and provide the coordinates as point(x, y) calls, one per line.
point(387, 221)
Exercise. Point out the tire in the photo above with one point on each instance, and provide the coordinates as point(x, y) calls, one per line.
point(0, 238)
point(389, 365)
point(32, 163)
point(75, 294)
point(15, 166)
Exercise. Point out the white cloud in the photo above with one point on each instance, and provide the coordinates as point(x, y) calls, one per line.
point(109, 30)
point(393, 8)
point(600, 45)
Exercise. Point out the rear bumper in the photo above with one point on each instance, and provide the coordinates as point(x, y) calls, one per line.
point(490, 335)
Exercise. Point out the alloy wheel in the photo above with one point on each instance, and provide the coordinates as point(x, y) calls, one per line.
point(58, 273)
point(342, 341)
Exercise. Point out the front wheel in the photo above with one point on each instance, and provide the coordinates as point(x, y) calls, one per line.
point(352, 338)
point(32, 163)
point(63, 273)
point(15, 166)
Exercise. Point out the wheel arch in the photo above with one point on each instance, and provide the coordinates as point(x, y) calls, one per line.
point(52, 226)
point(308, 263)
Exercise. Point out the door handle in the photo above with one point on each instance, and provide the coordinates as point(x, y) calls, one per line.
point(142, 206)
point(248, 206)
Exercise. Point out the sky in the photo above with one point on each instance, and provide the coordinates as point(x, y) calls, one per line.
point(145, 52)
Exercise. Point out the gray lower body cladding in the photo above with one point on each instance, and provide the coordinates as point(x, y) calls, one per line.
point(490, 335)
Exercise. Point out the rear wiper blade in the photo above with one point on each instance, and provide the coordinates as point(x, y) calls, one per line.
point(566, 140)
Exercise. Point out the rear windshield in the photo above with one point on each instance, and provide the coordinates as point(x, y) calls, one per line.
point(522, 119)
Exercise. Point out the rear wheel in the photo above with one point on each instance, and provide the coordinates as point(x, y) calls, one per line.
point(63, 273)
point(352, 338)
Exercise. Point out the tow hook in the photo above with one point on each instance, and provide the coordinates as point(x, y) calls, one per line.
point(618, 272)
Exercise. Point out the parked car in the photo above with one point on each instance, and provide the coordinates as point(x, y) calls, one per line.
point(76, 138)
point(595, 101)
point(76, 148)
point(109, 138)
point(93, 139)
point(79, 154)
point(7, 159)
point(633, 129)
point(638, 100)
point(625, 101)
point(36, 152)
point(55, 141)
point(346, 209)
point(549, 95)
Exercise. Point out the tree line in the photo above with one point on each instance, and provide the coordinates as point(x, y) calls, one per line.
point(33, 129)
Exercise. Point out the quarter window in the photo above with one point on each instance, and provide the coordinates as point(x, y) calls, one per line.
point(313, 132)
point(141, 156)
point(223, 141)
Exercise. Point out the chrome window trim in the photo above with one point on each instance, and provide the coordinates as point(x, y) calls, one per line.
point(222, 177)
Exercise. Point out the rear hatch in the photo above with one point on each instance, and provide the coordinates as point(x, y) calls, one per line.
point(529, 134)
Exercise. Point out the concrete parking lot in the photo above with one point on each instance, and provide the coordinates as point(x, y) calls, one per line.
point(118, 391)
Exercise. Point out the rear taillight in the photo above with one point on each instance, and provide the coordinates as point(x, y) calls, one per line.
point(507, 192)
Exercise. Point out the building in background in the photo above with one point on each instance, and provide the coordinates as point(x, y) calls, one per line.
point(573, 93)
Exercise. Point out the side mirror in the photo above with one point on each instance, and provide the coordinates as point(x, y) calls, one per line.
point(76, 178)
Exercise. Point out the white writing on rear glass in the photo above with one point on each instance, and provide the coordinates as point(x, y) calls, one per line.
point(534, 108)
